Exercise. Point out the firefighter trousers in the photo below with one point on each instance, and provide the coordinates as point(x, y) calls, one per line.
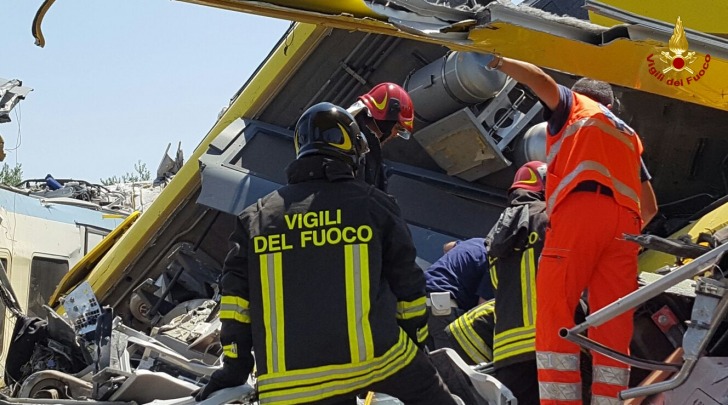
point(584, 249)
point(521, 379)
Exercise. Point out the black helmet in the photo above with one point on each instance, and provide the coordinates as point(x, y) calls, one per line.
point(327, 129)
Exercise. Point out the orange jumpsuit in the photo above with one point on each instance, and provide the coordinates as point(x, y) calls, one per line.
point(592, 193)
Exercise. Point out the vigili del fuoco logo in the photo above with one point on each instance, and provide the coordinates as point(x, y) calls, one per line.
point(676, 66)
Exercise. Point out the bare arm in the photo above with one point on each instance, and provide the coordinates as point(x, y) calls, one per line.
point(648, 203)
point(528, 74)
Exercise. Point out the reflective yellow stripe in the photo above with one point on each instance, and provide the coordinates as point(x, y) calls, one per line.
point(508, 351)
point(464, 333)
point(281, 341)
point(457, 329)
point(478, 342)
point(483, 309)
point(422, 334)
point(230, 350)
point(234, 308)
point(513, 335)
point(265, 293)
point(366, 328)
point(351, 303)
point(271, 278)
point(235, 316)
point(356, 263)
point(528, 287)
point(493, 272)
point(297, 386)
point(514, 342)
point(412, 309)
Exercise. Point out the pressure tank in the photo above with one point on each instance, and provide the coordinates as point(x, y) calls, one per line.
point(531, 146)
point(52, 183)
point(457, 80)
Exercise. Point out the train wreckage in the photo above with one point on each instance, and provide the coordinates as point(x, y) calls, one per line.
point(136, 322)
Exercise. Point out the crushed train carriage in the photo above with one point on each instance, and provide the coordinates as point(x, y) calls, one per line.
point(472, 128)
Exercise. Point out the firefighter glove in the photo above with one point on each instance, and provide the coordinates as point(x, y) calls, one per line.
point(225, 377)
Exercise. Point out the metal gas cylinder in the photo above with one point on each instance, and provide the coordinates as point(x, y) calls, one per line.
point(531, 146)
point(457, 80)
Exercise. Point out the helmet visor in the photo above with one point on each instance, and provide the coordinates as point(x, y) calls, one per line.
point(402, 132)
point(391, 128)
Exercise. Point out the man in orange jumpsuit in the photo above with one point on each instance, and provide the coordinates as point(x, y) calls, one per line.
point(597, 189)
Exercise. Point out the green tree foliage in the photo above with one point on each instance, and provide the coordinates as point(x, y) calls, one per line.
point(141, 173)
point(11, 176)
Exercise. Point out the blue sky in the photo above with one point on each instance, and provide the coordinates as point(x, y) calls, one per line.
point(119, 80)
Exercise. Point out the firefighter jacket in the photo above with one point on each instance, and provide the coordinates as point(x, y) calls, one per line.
point(373, 171)
point(593, 145)
point(322, 283)
point(514, 246)
point(472, 333)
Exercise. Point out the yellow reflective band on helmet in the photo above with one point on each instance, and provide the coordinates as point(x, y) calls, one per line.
point(532, 180)
point(271, 280)
point(234, 308)
point(309, 385)
point(412, 309)
point(356, 263)
point(422, 334)
point(380, 106)
point(346, 145)
point(230, 351)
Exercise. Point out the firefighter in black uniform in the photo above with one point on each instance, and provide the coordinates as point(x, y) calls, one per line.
point(382, 114)
point(508, 324)
point(322, 283)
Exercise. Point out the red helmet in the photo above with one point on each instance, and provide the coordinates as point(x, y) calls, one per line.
point(531, 176)
point(390, 102)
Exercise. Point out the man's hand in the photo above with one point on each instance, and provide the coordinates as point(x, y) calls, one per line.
point(492, 61)
point(225, 377)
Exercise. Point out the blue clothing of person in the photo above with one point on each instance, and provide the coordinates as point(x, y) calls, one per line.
point(462, 271)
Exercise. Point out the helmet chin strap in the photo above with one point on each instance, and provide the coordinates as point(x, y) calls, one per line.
point(371, 123)
point(385, 128)
point(359, 164)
